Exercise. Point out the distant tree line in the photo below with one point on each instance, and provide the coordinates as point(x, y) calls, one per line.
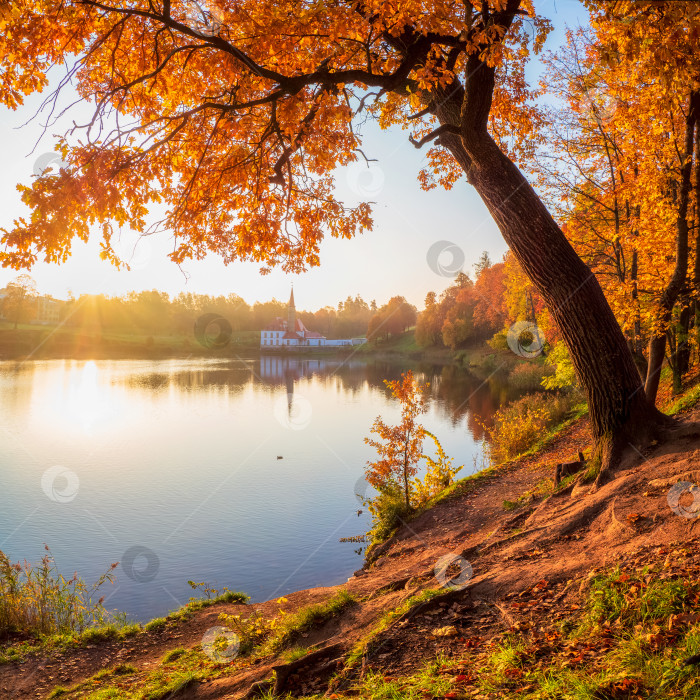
point(394, 318)
point(156, 313)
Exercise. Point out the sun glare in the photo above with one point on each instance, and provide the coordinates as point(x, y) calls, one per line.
point(79, 400)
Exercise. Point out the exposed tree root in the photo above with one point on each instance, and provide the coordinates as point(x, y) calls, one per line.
point(391, 586)
point(614, 452)
point(319, 662)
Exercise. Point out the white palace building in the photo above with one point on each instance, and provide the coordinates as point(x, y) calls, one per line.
point(291, 333)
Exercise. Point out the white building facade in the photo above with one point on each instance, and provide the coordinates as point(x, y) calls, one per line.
point(292, 333)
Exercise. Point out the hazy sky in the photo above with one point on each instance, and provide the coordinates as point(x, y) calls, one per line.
point(387, 261)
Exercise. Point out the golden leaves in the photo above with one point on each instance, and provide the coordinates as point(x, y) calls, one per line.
point(233, 116)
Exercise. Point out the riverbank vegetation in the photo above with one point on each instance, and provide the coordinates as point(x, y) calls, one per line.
point(399, 451)
point(39, 600)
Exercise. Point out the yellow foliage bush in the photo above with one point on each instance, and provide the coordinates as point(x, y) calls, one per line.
point(522, 423)
point(438, 476)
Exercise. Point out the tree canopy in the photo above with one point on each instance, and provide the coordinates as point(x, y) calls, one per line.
point(232, 117)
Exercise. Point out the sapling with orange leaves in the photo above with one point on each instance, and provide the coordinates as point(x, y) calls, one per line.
point(399, 447)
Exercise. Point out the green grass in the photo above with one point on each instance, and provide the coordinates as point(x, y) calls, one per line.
point(95, 635)
point(178, 670)
point(295, 653)
point(405, 343)
point(685, 402)
point(155, 624)
point(306, 619)
point(173, 654)
point(631, 600)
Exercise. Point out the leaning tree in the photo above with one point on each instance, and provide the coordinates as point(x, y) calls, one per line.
point(233, 116)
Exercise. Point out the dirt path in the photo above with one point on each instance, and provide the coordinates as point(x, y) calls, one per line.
point(533, 552)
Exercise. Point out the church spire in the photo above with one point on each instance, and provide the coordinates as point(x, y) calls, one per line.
point(291, 315)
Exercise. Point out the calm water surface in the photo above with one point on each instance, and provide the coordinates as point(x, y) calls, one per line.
point(172, 468)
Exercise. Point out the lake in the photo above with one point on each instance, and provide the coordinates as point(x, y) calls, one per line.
point(173, 468)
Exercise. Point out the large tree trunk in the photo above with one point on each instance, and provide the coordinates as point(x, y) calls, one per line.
point(696, 268)
point(618, 409)
point(637, 350)
point(657, 344)
point(620, 415)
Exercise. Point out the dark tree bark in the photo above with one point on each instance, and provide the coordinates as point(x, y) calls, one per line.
point(637, 349)
point(657, 343)
point(696, 268)
point(619, 412)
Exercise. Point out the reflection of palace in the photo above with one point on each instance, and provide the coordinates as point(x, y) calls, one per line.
point(292, 333)
point(277, 368)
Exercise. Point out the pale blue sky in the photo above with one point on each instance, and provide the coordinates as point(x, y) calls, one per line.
point(387, 261)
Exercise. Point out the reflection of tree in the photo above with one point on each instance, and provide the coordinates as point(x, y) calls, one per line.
point(190, 377)
point(461, 394)
point(461, 398)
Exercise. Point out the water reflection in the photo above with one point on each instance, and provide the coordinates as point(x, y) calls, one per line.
point(238, 473)
point(457, 392)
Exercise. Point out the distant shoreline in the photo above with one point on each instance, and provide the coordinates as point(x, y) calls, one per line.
point(51, 343)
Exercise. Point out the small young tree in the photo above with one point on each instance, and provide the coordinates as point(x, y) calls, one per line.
point(399, 447)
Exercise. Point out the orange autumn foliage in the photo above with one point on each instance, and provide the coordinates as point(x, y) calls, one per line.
point(232, 117)
point(399, 447)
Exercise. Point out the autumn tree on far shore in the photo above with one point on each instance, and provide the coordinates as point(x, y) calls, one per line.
point(394, 318)
point(18, 304)
point(467, 311)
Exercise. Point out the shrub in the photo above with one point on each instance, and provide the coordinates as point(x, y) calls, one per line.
point(522, 423)
point(527, 376)
point(563, 376)
point(499, 340)
point(439, 475)
point(388, 509)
